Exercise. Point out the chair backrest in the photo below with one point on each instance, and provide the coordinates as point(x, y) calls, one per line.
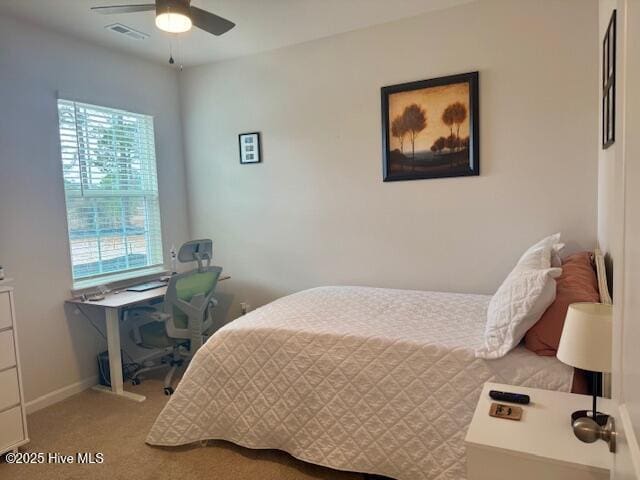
point(188, 298)
point(187, 287)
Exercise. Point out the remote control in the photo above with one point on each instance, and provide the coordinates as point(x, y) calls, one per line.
point(510, 397)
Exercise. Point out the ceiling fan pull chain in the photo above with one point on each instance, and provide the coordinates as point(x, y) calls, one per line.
point(179, 52)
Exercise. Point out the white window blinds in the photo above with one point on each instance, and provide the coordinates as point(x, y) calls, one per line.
point(111, 189)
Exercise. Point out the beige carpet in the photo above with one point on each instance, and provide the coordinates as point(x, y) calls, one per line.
point(96, 422)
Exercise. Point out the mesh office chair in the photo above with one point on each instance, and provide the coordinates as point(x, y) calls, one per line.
point(186, 317)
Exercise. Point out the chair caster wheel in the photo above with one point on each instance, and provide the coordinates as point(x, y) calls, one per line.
point(168, 391)
point(136, 381)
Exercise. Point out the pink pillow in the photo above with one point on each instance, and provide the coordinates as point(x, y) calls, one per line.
point(578, 283)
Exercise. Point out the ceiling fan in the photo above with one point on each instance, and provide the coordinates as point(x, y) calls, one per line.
point(175, 16)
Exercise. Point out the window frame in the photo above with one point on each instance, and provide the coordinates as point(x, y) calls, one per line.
point(122, 275)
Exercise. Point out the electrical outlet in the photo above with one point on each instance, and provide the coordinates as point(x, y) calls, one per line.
point(244, 307)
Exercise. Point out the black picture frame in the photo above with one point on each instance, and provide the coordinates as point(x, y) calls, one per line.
point(395, 165)
point(250, 151)
point(609, 48)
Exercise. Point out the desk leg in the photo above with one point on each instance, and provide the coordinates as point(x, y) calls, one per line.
point(115, 362)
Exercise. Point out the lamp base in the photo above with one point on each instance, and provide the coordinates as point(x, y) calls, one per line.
point(601, 418)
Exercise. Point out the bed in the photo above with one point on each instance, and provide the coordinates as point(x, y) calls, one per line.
point(362, 379)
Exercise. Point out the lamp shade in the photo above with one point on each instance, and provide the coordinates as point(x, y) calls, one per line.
point(586, 337)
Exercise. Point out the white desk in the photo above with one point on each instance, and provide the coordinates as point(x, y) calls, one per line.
point(113, 304)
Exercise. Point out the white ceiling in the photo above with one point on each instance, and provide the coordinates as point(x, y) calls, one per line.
point(260, 24)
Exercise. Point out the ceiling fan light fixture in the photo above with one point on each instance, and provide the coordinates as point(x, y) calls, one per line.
point(173, 17)
point(173, 22)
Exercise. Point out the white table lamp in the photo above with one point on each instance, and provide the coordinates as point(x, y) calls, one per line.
point(586, 344)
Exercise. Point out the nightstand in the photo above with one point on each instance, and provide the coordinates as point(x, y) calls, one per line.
point(540, 446)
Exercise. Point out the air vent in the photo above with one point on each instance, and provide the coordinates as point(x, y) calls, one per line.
point(128, 31)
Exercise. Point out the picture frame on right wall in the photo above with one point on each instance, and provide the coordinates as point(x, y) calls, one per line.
point(609, 84)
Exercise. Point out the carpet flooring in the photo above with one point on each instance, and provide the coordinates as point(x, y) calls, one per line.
point(97, 422)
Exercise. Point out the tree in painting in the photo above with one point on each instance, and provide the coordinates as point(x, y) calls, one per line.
point(439, 145)
point(447, 118)
point(399, 130)
point(454, 114)
point(452, 143)
point(459, 116)
point(415, 120)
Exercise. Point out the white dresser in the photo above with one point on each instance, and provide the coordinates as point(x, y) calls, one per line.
point(13, 419)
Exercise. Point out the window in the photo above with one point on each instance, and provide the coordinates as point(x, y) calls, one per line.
point(111, 191)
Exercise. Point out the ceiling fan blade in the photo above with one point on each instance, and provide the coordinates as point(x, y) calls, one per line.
point(209, 22)
point(124, 8)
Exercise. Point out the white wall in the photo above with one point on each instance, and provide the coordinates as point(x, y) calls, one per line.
point(58, 350)
point(317, 212)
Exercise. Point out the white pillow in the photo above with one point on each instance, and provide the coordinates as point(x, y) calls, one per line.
point(556, 254)
point(519, 302)
point(546, 243)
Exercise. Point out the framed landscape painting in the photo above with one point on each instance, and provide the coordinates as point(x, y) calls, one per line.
point(430, 128)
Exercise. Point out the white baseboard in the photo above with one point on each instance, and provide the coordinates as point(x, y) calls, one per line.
point(60, 394)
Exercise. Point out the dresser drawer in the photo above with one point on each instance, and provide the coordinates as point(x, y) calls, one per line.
point(5, 311)
point(7, 352)
point(9, 393)
point(11, 431)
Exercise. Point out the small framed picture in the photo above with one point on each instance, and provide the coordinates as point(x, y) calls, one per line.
point(250, 151)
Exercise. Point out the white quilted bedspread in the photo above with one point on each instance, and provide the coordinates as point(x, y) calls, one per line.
point(362, 379)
